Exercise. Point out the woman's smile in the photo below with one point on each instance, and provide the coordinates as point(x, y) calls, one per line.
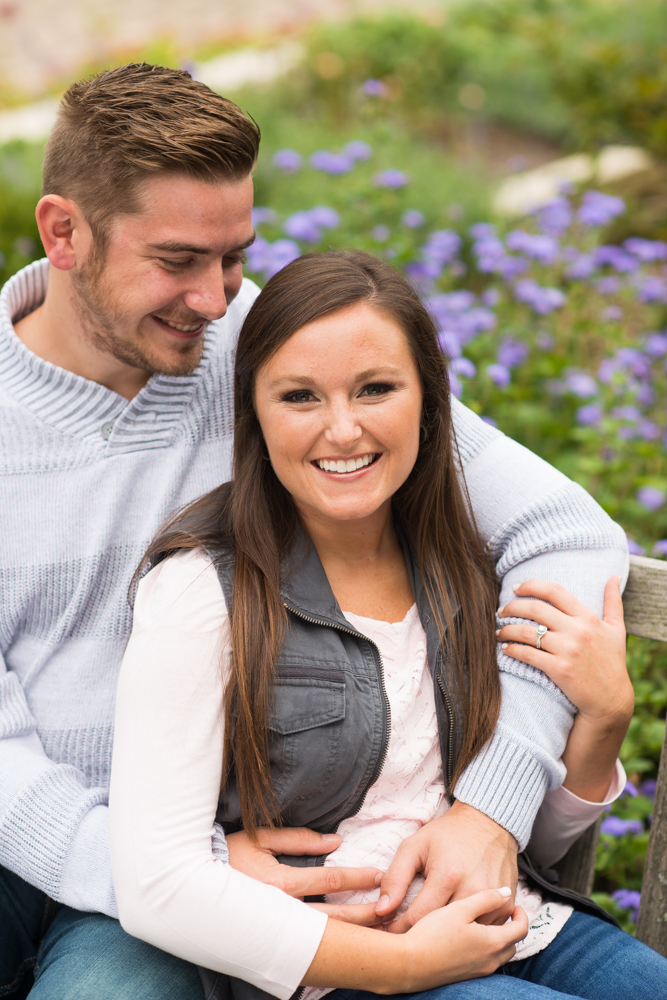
point(347, 466)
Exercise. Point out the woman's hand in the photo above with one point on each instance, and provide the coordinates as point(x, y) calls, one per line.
point(585, 657)
point(446, 946)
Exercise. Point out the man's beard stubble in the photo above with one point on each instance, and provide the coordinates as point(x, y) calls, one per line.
point(100, 320)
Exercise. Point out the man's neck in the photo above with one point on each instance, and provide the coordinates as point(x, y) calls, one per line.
point(55, 333)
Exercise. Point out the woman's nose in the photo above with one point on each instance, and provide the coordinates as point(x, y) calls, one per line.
point(343, 427)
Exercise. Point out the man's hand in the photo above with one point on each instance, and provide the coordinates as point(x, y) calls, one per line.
point(258, 860)
point(460, 853)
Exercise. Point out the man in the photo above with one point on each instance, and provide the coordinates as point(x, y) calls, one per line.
point(116, 360)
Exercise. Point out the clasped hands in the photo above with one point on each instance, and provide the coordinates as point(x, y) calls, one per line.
point(458, 854)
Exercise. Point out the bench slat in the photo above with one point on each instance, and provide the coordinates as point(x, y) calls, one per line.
point(645, 598)
point(652, 920)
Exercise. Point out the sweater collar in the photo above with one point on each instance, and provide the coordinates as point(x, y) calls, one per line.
point(78, 406)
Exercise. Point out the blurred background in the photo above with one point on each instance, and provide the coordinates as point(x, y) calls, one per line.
point(510, 156)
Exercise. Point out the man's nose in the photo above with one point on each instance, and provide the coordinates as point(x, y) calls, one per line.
point(207, 294)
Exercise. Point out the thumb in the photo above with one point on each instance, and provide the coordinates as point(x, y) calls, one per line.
point(613, 603)
point(298, 840)
point(486, 901)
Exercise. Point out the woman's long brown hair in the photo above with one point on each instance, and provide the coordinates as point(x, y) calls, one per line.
point(255, 518)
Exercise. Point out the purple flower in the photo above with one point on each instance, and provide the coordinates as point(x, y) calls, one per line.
point(630, 789)
point(628, 899)
point(652, 289)
point(269, 258)
point(511, 353)
point(358, 150)
point(463, 366)
point(288, 160)
point(491, 297)
point(374, 88)
point(538, 247)
point(490, 421)
point(512, 267)
point(481, 230)
point(541, 300)
point(611, 314)
point(455, 384)
point(589, 415)
point(331, 163)
point(645, 394)
point(555, 217)
point(649, 431)
point(581, 384)
point(260, 215)
point(646, 250)
point(634, 549)
point(450, 345)
point(544, 341)
point(581, 266)
point(597, 209)
point(441, 246)
point(649, 786)
point(499, 374)
point(629, 413)
point(650, 497)
point(301, 226)
point(391, 179)
point(381, 233)
point(413, 218)
point(615, 257)
point(324, 216)
point(609, 285)
point(617, 827)
point(656, 345)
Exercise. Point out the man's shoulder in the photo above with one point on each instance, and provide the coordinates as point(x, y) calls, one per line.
point(473, 433)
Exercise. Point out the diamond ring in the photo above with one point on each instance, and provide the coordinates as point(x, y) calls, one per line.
point(541, 631)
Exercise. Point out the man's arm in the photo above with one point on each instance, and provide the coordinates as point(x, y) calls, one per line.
point(541, 526)
point(53, 829)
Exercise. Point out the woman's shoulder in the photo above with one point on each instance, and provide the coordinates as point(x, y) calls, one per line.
point(182, 592)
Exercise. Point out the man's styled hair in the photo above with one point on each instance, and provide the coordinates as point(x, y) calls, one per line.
point(120, 127)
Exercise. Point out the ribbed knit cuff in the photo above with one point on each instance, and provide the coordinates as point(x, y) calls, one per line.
point(505, 782)
point(15, 716)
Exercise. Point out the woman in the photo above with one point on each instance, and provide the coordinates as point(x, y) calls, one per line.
point(248, 693)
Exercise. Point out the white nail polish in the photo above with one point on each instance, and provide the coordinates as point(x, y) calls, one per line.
point(503, 645)
point(505, 891)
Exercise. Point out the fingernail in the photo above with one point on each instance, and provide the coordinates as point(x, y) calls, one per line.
point(381, 903)
point(497, 631)
point(505, 891)
point(503, 645)
point(499, 612)
point(378, 878)
point(330, 836)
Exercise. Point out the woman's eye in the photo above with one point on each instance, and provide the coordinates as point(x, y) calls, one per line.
point(377, 389)
point(298, 396)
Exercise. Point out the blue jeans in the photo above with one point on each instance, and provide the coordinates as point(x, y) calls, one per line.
point(588, 958)
point(51, 952)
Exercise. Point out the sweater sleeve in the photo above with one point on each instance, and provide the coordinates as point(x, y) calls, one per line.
point(171, 887)
point(539, 525)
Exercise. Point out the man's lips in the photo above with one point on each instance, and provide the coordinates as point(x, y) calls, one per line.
point(191, 331)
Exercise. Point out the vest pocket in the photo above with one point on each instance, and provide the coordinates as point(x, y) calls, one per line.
point(305, 702)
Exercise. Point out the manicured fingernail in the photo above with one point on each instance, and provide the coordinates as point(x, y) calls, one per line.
point(497, 631)
point(505, 891)
point(503, 645)
point(330, 836)
point(499, 612)
point(516, 587)
point(378, 878)
point(381, 903)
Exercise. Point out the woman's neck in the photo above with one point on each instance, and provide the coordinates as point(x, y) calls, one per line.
point(364, 563)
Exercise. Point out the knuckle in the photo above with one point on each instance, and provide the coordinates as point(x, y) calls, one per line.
point(333, 880)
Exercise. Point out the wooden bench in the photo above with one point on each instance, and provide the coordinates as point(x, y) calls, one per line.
point(645, 606)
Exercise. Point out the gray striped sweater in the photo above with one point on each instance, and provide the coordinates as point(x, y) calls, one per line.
point(87, 477)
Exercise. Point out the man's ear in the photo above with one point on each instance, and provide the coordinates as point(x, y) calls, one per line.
point(63, 230)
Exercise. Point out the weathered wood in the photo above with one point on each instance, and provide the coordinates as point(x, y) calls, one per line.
point(645, 598)
point(577, 869)
point(652, 921)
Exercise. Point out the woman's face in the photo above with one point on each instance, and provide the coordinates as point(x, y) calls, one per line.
point(339, 405)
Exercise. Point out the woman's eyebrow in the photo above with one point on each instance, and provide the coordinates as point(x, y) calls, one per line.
point(385, 371)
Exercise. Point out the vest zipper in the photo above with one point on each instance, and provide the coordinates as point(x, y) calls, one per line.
point(449, 764)
point(383, 757)
point(387, 706)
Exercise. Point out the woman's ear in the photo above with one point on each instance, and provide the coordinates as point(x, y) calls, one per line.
point(61, 228)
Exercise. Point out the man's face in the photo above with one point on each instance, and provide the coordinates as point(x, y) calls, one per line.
point(166, 272)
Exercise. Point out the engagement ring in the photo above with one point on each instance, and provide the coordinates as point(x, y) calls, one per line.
point(541, 630)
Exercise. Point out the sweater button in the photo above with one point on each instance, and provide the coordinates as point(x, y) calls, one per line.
point(106, 429)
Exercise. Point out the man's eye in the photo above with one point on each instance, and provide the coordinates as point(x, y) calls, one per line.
point(377, 389)
point(176, 265)
point(233, 261)
point(298, 396)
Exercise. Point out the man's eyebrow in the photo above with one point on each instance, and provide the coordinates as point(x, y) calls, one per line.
point(173, 246)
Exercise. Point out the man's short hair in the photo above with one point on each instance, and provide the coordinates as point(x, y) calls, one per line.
point(126, 124)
